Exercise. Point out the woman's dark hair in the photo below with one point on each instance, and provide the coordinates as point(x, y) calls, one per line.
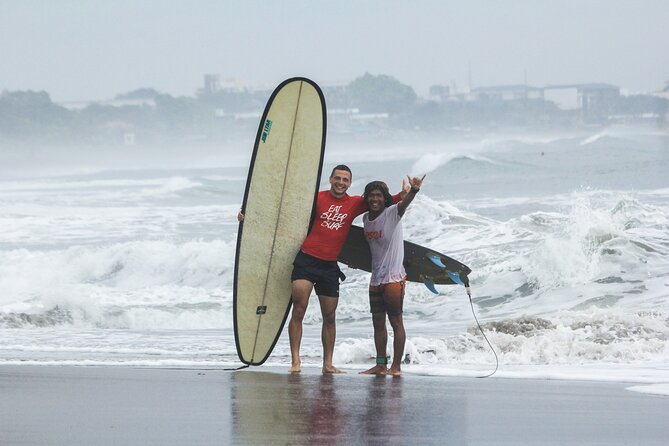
point(381, 186)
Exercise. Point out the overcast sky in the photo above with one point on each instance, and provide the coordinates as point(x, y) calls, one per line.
point(83, 50)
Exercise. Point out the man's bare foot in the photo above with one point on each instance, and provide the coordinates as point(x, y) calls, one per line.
point(295, 368)
point(378, 369)
point(394, 371)
point(331, 369)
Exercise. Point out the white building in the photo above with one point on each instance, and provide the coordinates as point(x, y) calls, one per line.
point(581, 96)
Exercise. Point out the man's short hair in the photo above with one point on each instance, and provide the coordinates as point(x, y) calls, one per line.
point(341, 167)
point(380, 186)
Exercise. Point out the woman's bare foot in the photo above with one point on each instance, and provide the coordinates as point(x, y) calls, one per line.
point(295, 368)
point(379, 369)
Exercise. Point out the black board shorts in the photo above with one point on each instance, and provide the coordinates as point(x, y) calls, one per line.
point(324, 274)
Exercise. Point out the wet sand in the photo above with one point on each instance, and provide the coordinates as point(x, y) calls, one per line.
point(131, 406)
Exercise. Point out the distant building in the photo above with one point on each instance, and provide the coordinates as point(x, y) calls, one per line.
point(507, 93)
point(664, 93)
point(597, 101)
point(233, 84)
point(439, 93)
point(211, 83)
point(139, 102)
point(336, 95)
point(150, 102)
point(564, 96)
point(583, 97)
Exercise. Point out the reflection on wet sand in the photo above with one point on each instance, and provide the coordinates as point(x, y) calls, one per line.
point(383, 409)
point(286, 409)
point(326, 418)
point(311, 409)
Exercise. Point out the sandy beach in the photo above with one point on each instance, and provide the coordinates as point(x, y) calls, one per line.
point(61, 405)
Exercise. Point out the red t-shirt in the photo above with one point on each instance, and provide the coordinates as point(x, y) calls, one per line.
point(332, 224)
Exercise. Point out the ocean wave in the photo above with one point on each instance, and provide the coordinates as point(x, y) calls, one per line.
point(51, 318)
point(595, 250)
point(430, 162)
point(594, 138)
point(148, 284)
point(125, 265)
point(187, 316)
point(140, 187)
point(201, 316)
point(613, 134)
point(571, 338)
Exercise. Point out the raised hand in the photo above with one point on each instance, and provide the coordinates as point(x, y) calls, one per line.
point(415, 182)
point(409, 192)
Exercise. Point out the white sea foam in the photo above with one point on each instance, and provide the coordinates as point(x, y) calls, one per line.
point(136, 267)
point(593, 138)
point(148, 284)
point(655, 389)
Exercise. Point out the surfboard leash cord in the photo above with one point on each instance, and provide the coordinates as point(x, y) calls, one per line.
point(234, 369)
point(471, 304)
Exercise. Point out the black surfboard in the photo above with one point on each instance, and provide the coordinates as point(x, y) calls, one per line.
point(421, 264)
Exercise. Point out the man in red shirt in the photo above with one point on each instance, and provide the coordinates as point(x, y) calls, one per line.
point(315, 265)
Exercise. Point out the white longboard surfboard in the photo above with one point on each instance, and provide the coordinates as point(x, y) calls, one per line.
point(280, 195)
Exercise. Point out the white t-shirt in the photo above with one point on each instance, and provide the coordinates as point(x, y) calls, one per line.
point(386, 242)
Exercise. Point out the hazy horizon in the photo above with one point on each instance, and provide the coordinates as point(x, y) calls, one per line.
point(78, 50)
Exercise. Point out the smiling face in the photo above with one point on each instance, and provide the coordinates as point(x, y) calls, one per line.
point(340, 181)
point(377, 197)
point(376, 200)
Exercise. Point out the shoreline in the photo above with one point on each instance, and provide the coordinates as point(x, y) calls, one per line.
point(628, 374)
point(132, 405)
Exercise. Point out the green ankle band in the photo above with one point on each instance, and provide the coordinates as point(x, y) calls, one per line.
point(382, 360)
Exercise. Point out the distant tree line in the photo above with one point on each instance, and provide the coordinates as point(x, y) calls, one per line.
point(154, 117)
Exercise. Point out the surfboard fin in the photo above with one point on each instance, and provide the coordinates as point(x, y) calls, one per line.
point(430, 285)
point(436, 260)
point(455, 278)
